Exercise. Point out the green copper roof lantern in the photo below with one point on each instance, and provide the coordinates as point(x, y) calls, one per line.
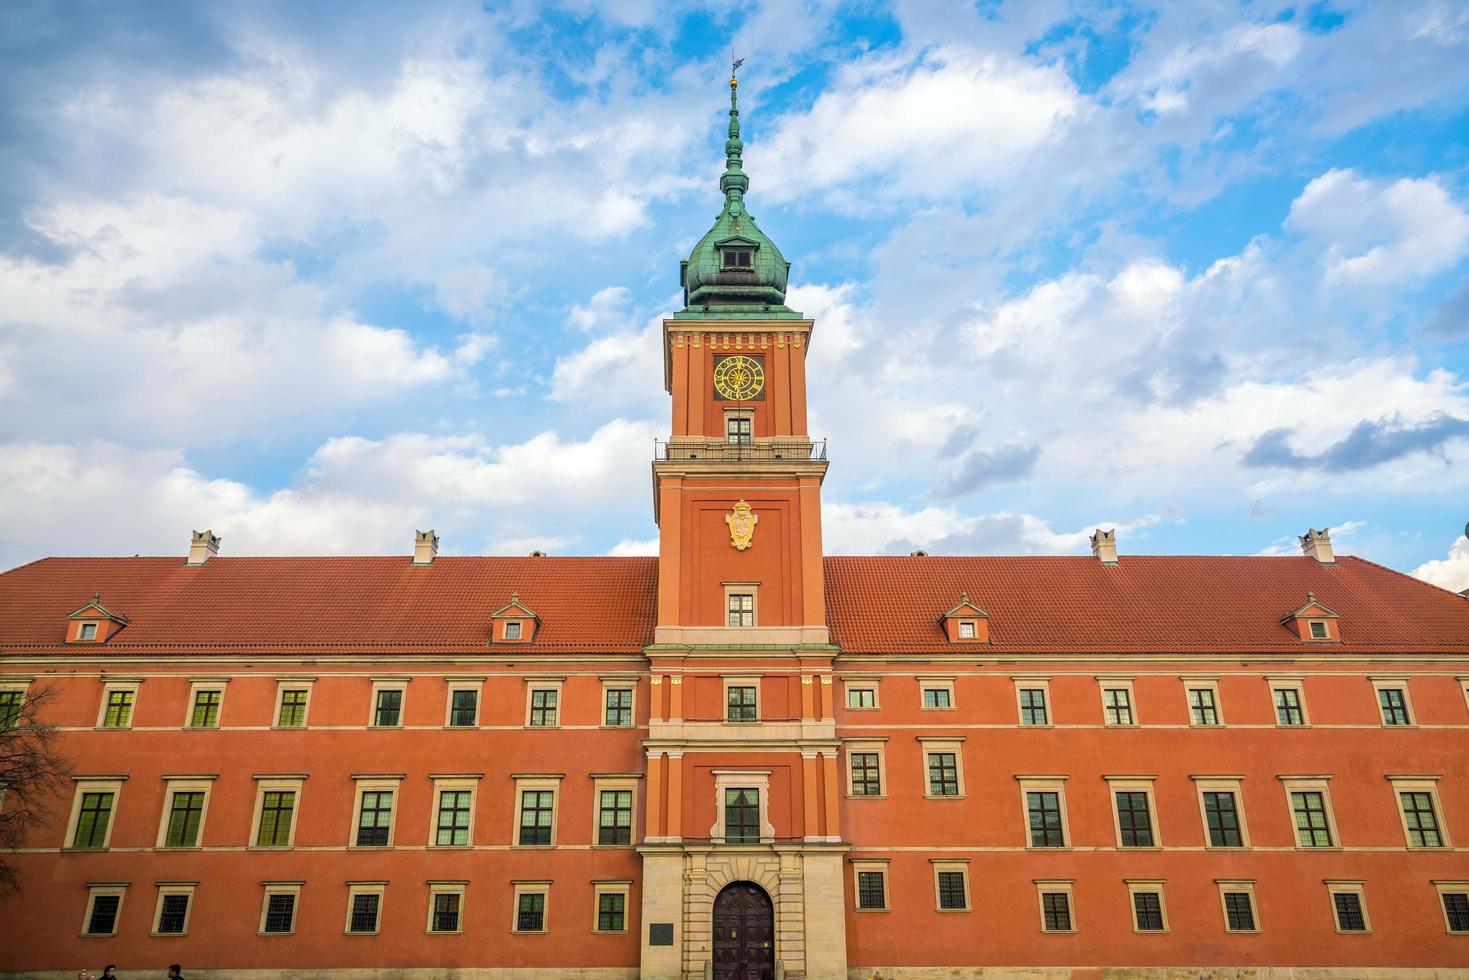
point(735, 271)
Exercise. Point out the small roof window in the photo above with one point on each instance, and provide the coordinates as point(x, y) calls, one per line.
point(738, 257)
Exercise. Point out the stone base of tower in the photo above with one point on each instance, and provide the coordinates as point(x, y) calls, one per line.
point(803, 881)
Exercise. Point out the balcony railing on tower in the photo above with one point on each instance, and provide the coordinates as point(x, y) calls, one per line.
point(764, 450)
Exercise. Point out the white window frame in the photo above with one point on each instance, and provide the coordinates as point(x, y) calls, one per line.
point(1033, 683)
point(534, 684)
point(375, 784)
point(275, 784)
point(284, 684)
point(742, 680)
point(120, 889)
point(130, 685)
point(752, 589)
point(1203, 684)
point(873, 745)
point(454, 783)
point(621, 886)
point(380, 684)
point(1134, 784)
point(1236, 885)
point(1224, 784)
point(538, 782)
point(93, 784)
point(1109, 682)
point(378, 888)
point(1443, 887)
point(1046, 885)
point(620, 683)
point(1348, 887)
point(437, 888)
point(1463, 680)
point(198, 685)
point(89, 624)
point(930, 744)
point(270, 888)
point(1313, 784)
point(1396, 682)
point(173, 888)
point(756, 779)
point(475, 684)
point(1293, 683)
point(514, 630)
point(1420, 784)
point(880, 866)
point(1050, 784)
point(865, 684)
point(611, 782)
point(936, 682)
point(961, 865)
point(520, 888)
point(1152, 885)
point(185, 784)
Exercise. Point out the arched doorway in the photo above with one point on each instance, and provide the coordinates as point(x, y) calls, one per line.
point(744, 933)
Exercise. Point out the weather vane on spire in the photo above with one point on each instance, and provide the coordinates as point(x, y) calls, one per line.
point(734, 67)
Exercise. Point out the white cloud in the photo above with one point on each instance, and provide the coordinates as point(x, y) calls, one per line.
point(632, 547)
point(473, 292)
point(1343, 538)
point(608, 307)
point(882, 527)
point(1376, 232)
point(1451, 572)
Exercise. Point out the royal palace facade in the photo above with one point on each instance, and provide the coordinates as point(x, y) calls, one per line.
point(742, 758)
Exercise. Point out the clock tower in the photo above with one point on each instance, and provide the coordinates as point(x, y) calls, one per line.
point(742, 853)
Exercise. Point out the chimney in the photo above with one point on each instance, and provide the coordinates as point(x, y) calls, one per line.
point(1104, 546)
point(1317, 545)
point(425, 547)
point(203, 546)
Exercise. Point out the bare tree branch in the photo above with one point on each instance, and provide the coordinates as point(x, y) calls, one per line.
point(32, 774)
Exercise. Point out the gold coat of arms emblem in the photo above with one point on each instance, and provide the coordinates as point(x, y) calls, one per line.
point(741, 521)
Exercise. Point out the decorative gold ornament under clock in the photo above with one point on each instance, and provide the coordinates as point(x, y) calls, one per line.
point(741, 521)
point(739, 378)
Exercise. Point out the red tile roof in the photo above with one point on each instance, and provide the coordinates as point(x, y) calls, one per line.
point(1144, 604)
point(231, 605)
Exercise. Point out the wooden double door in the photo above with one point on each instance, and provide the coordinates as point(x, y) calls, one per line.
point(744, 933)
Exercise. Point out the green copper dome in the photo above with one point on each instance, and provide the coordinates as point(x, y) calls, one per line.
point(735, 270)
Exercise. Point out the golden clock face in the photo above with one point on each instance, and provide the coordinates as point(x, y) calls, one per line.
point(739, 378)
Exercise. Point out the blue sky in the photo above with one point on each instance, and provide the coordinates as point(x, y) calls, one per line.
point(316, 275)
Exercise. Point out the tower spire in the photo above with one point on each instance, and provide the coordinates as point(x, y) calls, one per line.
point(733, 181)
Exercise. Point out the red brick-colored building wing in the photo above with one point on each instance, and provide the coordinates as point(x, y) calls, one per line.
point(345, 603)
point(1144, 604)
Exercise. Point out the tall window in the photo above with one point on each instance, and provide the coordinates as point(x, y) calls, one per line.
point(88, 631)
point(512, 630)
point(741, 815)
point(119, 713)
point(1056, 911)
point(737, 430)
point(614, 816)
point(185, 815)
point(11, 703)
point(1349, 914)
point(951, 891)
point(206, 709)
point(530, 912)
point(92, 819)
point(1394, 705)
point(1133, 820)
point(277, 807)
point(543, 708)
point(611, 912)
point(1312, 828)
point(388, 712)
point(1033, 706)
point(1117, 705)
point(280, 913)
point(452, 826)
point(1203, 708)
point(1421, 819)
point(937, 697)
point(741, 609)
point(293, 708)
point(1044, 809)
point(365, 908)
point(102, 917)
point(619, 707)
point(740, 703)
point(446, 912)
point(866, 776)
point(375, 818)
point(1147, 911)
point(537, 809)
point(173, 913)
point(1239, 912)
point(1222, 815)
point(1288, 707)
point(943, 774)
point(1456, 911)
point(463, 708)
point(871, 890)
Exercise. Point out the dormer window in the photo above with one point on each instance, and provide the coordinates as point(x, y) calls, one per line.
point(93, 623)
point(514, 623)
point(1318, 630)
point(966, 629)
point(88, 632)
point(1313, 622)
point(966, 622)
point(739, 258)
point(512, 631)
